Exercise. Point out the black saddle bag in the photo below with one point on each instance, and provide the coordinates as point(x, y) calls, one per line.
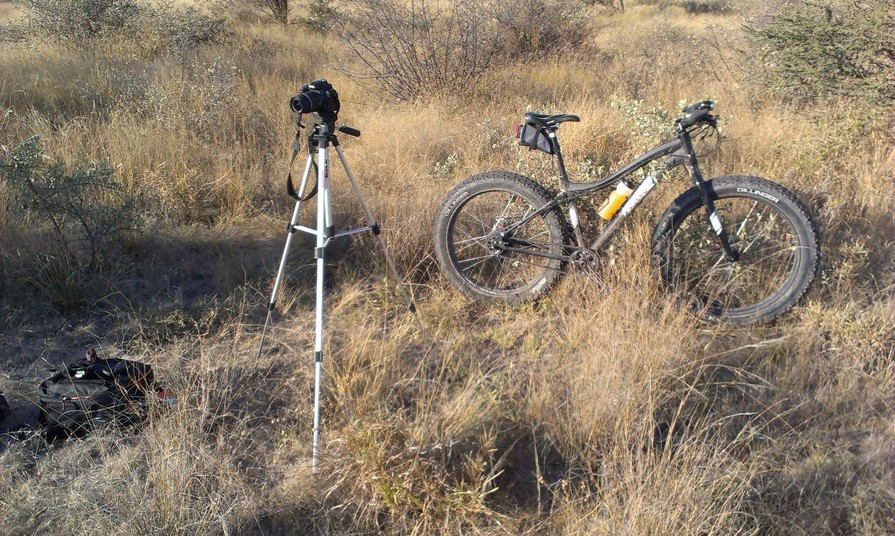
point(85, 395)
point(534, 137)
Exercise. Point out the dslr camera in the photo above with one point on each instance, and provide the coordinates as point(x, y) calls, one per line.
point(317, 97)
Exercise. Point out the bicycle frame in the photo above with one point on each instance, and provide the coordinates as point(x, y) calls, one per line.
point(681, 151)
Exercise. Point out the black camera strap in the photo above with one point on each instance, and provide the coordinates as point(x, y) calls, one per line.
point(296, 148)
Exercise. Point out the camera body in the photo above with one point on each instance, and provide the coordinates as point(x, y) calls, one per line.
point(317, 97)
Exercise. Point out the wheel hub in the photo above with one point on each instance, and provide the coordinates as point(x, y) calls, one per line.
point(495, 242)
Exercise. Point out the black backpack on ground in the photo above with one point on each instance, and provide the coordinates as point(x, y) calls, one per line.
point(95, 392)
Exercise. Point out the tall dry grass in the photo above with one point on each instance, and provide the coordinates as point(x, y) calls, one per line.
point(603, 409)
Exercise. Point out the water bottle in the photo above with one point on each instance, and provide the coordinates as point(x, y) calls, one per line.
point(615, 200)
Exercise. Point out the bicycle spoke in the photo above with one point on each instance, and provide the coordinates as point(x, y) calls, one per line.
point(485, 226)
point(473, 239)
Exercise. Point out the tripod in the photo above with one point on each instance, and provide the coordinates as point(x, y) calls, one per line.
point(321, 137)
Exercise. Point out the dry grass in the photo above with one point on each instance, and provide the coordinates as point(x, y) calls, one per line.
point(599, 410)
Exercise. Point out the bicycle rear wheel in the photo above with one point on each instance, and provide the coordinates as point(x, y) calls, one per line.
point(485, 245)
point(770, 228)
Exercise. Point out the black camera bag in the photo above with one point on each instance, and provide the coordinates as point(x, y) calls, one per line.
point(534, 137)
point(89, 394)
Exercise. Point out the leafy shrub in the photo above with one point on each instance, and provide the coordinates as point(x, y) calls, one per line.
point(80, 23)
point(645, 126)
point(828, 48)
point(152, 27)
point(321, 15)
point(86, 209)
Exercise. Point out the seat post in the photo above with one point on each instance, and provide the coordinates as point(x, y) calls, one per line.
point(560, 163)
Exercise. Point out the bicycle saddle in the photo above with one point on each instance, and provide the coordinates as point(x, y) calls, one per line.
point(547, 120)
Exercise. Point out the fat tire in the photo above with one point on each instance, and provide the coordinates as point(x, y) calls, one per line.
point(805, 259)
point(452, 207)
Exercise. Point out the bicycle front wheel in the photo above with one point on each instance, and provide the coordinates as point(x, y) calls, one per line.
point(770, 228)
point(488, 243)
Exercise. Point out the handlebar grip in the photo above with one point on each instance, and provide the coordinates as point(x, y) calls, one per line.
point(693, 117)
point(350, 131)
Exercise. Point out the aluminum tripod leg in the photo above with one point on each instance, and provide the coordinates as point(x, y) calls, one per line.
point(324, 229)
point(290, 231)
point(375, 227)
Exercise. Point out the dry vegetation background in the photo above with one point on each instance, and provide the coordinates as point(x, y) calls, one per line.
point(596, 411)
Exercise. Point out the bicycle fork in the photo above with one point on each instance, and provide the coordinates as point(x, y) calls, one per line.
point(714, 220)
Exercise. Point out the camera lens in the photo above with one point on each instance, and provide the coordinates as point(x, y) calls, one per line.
point(306, 102)
point(295, 103)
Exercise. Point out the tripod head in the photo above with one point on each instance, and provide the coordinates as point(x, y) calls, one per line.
point(324, 132)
